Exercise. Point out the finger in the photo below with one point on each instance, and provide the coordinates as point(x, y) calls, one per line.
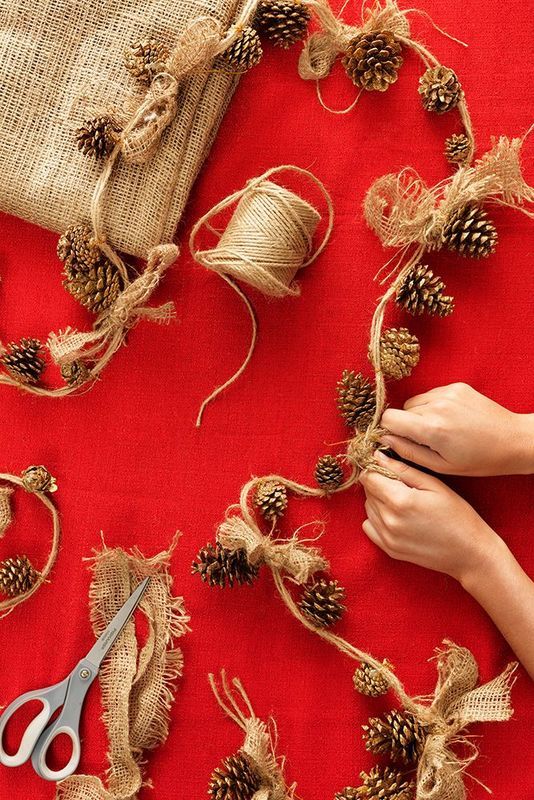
point(405, 423)
point(372, 533)
point(409, 476)
point(373, 514)
point(418, 453)
point(381, 489)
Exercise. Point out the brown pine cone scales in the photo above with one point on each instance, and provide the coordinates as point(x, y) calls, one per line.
point(322, 603)
point(23, 361)
point(77, 245)
point(399, 352)
point(458, 148)
point(38, 479)
point(146, 58)
point(369, 681)
point(468, 231)
point(422, 291)
point(348, 793)
point(75, 373)
point(218, 566)
point(95, 287)
point(356, 400)
point(372, 60)
point(245, 52)
point(235, 779)
point(283, 22)
point(398, 734)
point(97, 137)
point(329, 473)
point(17, 576)
point(383, 783)
point(440, 89)
point(270, 498)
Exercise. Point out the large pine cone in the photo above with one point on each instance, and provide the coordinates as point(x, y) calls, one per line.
point(235, 779)
point(398, 734)
point(372, 60)
point(17, 576)
point(97, 137)
point(146, 58)
point(469, 231)
point(440, 89)
point(23, 361)
point(322, 603)
point(422, 291)
point(329, 473)
point(95, 287)
point(356, 400)
point(399, 352)
point(284, 23)
point(270, 498)
point(218, 566)
point(245, 52)
point(77, 246)
point(369, 681)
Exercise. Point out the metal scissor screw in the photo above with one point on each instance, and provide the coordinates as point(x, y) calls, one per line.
point(84, 674)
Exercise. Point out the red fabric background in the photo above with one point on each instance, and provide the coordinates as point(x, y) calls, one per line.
point(130, 462)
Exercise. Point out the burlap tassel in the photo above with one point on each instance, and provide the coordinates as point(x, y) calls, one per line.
point(258, 745)
point(138, 683)
point(5, 509)
point(269, 238)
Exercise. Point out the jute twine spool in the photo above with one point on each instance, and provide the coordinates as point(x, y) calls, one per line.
point(269, 238)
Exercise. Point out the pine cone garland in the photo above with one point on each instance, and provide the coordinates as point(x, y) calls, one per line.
point(372, 60)
point(75, 373)
point(384, 783)
point(270, 498)
point(146, 58)
point(38, 479)
point(469, 231)
point(322, 603)
point(235, 779)
point(218, 566)
point(399, 352)
point(369, 681)
point(458, 149)
point(398, 733)
point(97, 137)
point(95, 287)
point(422, 291)
point(440, 89)
point(77, 246)
point(282, 21)
point(329, 473)
point(23, 361)
point(356, 400)
point(245, 52)
point(17, 576)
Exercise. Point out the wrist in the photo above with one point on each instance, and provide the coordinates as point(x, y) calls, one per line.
point(484, 573)
point(523, 444)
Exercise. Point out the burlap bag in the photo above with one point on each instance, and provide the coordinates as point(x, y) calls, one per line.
point(60, 63)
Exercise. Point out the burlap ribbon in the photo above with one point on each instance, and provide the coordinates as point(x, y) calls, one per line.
point(5, 508)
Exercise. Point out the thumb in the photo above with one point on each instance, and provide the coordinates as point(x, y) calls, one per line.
point(408, 475)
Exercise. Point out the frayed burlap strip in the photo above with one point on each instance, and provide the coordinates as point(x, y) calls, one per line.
point(5, 509)
point(259, 743)
point(138, 683)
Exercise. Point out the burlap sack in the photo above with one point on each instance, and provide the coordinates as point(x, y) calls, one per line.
point(61, 61)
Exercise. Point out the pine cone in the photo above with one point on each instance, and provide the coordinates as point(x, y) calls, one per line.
point(322, 603)
point(348, 793)
point(236, 779)
point(23, 361)
point(372, 60)
point(17, 576)
point(398, 733)
point(77, 246)
point(369, 681)
point(75, 373)
point(270, 498)
point(399, 352)
point(440, 89)
point(458, 148)
point(422, 291)
point(146, 58)
point(95, 287)
point(356, 400)
point(97, 137)
point(245, 52)
point(218, 566)
point(329, 473)
point(469, 231)
point(283, 22)
point(38, 479)
point(384, 783)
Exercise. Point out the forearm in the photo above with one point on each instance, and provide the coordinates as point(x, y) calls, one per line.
point(506, 593)
point(524, 444)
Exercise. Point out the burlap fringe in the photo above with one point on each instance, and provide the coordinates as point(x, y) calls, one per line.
point(5, 509)
point(138, 684)
point(259, 744)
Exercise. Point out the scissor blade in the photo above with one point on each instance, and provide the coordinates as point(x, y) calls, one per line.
point(106, 641)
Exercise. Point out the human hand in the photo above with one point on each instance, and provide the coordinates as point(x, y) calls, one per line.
point(419, 519)
point(458, 431)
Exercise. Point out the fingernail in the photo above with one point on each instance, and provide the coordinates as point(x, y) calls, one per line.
point(381, 456)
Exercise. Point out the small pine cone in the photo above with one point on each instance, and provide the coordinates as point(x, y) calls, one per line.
point(348, 793)
point(75, 373)
point(96, 287)
point(97, 137)
point(384, 783)
point(322, 603)
point(77, 246)
point(236, 779)
point(356, 400)
point(399, 352)
point(17, 576)
point(218, 566)
point(440, 89)
point(23, 361)
point(38, 479)
point(329, 473)
point(458, 148)
point(469, 231)
point(397, 733)
point(422, 291)
point(369, 681)
point(284, 22)
point(245, 52)
point(146, 58)
point(270, 498)
point(372, 60)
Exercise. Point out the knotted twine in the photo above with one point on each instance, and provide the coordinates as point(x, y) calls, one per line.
point(138, 683)
point(259, 743)
point(269, 238)
point(5, 509)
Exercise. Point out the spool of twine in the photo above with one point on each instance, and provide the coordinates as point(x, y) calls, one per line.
point(269, 238)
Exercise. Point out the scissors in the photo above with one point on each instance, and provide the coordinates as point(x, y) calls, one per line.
point(68, 695)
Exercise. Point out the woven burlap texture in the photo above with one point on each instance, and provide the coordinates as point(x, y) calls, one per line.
point(137, 683)
point(61, 62)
